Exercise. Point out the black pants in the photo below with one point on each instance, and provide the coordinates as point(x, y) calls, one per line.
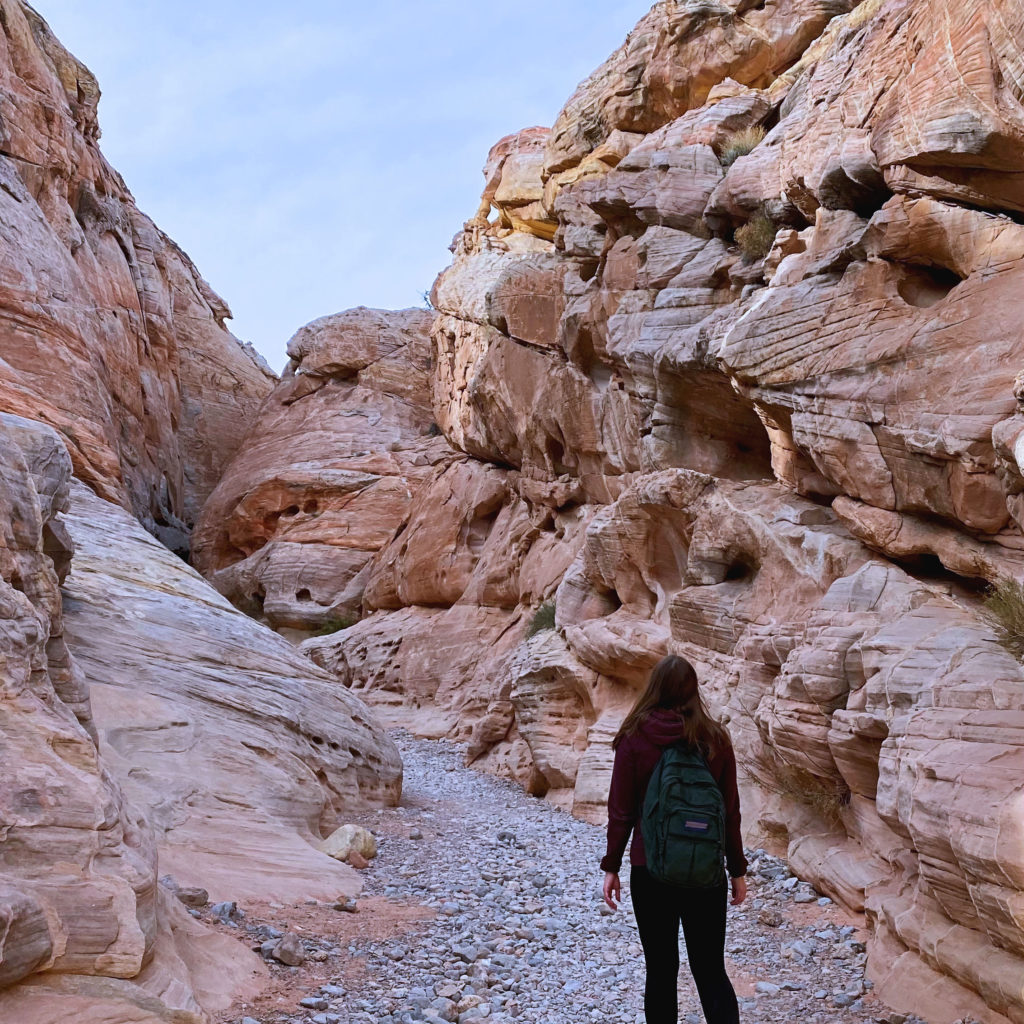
point(659, 908)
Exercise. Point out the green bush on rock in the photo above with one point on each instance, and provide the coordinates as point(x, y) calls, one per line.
point(543, 618)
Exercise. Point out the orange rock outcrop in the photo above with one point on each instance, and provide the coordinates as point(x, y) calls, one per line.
point(109, 333)
point(147, 725)
point(730, 354)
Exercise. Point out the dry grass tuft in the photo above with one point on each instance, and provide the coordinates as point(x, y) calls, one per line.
point(1004, 608)
point(826, 797)
point(756, 237)
point(335, 625)
point(740, 143)
point(543, 618)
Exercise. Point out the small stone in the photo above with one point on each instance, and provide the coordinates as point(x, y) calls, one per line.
point(227, 913)
point(314, 1003)
point(289, 951)
point(769, 916)
point(347, 906)
point(357, 860)
point(766, 988)
point(193, 896)
point(415, 834)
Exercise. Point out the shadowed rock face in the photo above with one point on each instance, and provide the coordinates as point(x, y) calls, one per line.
point(109, 333)
point(327, 474)
point(794, 459)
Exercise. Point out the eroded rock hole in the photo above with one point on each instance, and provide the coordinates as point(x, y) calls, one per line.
point(864, 195)
point(928, 568)
point(303, 595)
point(555, 451)
point(740, 569)
point(476, 532)
point(923, 287)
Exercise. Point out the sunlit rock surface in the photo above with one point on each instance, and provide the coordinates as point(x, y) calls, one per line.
point(88, 933)
point(243, 754)
point(327, 474)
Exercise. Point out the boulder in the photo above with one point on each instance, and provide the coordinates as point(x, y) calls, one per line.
point(350, 839)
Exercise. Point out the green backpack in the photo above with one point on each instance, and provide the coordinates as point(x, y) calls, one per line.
point(683, 823)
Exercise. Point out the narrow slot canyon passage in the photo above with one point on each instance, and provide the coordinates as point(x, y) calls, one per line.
point(484, 904)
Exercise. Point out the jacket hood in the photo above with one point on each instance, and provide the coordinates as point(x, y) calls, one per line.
point(662, 727)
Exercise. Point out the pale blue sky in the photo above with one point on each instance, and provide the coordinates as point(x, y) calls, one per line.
point(321, 157)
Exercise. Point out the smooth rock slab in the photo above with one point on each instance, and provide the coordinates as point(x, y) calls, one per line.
point(240, 750)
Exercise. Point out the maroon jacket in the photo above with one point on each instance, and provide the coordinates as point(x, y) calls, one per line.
point(635, 760)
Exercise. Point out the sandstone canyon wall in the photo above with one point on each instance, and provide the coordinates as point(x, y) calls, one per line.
point(109, 333)
point(148, 727)
point(725, 365)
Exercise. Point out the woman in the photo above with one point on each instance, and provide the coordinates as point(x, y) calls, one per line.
point(670, 711)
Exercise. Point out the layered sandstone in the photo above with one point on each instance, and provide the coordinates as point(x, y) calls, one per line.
point(86, 928)
point(148, 727)
point(328, 472)
point(109, 333)
point(151, 729)
point(797, 461)
point(243, 755)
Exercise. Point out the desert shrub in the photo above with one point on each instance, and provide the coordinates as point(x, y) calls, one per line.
point(740, 143)
point(335, 625)
point(825, 796)
point(756, 237)
point(1004, 608)
point(543, 618)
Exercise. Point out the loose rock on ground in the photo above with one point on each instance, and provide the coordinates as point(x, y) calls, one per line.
point(519, 932)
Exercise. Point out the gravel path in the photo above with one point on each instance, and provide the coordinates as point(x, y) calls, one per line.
point(519, 931)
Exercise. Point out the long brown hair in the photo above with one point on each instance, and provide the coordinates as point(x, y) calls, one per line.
point(673, 686)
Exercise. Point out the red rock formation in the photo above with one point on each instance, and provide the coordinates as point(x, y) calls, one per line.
point(328, 472)
point(78, 865)
point(109, 333)
point(208, 746)
point(753, 402)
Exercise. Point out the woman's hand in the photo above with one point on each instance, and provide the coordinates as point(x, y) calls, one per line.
point(612, 889)
point(739, 890)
